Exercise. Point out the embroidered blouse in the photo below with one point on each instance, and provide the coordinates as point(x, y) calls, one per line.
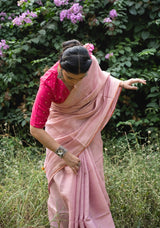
point(51, 89)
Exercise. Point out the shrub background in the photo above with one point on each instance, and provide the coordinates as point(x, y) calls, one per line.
point(133, 37)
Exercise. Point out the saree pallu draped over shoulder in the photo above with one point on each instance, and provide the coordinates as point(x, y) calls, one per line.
point(81, 201)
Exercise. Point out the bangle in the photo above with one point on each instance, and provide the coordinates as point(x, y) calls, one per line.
point(61, 151)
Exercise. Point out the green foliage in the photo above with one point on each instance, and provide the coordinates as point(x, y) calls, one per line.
point(132, 37)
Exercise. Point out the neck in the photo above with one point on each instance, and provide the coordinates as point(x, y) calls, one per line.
point(69, 87)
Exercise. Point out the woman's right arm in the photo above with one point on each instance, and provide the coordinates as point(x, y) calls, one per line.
point(47, 141)
point(44, 138)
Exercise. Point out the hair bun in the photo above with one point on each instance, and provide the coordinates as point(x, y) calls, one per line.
point(75, 59)
point(70, 43)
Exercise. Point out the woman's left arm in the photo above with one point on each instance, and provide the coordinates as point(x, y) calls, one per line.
point(128, 83)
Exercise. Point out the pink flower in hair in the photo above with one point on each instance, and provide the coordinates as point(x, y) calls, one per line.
point(89, 47)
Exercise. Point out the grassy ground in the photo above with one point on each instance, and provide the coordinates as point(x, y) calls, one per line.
point(132, 181)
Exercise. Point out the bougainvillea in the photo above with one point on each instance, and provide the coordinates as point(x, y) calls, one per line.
point(113, 13)
point(61, 2)
point(107, 56)
point(31, 34)
point(24, 18)
point(3, 46)
point(74, 13)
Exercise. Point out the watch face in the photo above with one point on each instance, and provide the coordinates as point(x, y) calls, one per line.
point(60, 152)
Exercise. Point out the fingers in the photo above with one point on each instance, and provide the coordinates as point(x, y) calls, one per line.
point(76, 167)
point(137, 80)
point(133, 81)
point(72, 161)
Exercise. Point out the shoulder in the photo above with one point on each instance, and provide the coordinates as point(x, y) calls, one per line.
point(50, 75)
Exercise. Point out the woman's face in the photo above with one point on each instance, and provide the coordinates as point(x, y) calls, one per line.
point(71, 79)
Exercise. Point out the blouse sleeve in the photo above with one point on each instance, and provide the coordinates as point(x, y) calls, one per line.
point(40, 110)
point(51, 89)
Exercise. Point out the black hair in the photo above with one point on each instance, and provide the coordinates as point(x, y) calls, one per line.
point(75, 58)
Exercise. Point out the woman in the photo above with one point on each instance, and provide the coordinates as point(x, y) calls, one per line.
point(74, 102)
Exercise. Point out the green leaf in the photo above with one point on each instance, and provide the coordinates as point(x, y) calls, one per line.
point(121, 52)
point(145, 35)
point(130, 3)
point(128, 63)
point(153, 95)
point(150, 51)
point(138, 5)
point(155, 88)
point(35, 40)
point(105, 2)
point(128, 49)
point(133, 11)
point(42, 32)
point(141, 11)
point(23, 123)
point(152, 105)
point(51, 26)
point(138, 28)
point(25, 47)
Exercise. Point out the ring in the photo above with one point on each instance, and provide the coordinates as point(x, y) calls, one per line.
point(79, 164)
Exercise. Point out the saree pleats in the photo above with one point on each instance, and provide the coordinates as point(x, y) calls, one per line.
point(80, 201)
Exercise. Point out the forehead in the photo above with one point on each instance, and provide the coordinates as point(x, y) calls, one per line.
point(74, 76)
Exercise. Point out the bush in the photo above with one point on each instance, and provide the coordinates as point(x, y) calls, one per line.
point(126, 39)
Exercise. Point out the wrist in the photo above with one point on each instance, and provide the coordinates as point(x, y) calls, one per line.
point(61, 151)
point(122, 84)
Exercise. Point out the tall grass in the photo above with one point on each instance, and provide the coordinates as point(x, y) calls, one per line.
point(132, 176)
point(133, 182)
point(23, 186)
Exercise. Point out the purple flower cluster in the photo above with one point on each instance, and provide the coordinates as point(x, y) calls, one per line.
point(19, 3)
point(3, 46)
point(112, 15)
point(74, 13)
point(25, 17)
point(61, 2)
point(108, 55)
point(107, 20)
point(3, 16)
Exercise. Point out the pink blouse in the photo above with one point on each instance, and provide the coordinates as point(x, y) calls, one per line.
point(51, 89)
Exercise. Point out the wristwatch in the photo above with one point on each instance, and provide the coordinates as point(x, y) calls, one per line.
point(61, 151)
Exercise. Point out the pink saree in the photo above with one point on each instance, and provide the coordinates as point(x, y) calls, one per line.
point(81, 201)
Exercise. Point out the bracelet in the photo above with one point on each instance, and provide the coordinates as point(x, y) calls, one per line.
point(61, 151)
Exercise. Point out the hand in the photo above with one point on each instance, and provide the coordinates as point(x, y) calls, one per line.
point(128, 83)
point(72, 161)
